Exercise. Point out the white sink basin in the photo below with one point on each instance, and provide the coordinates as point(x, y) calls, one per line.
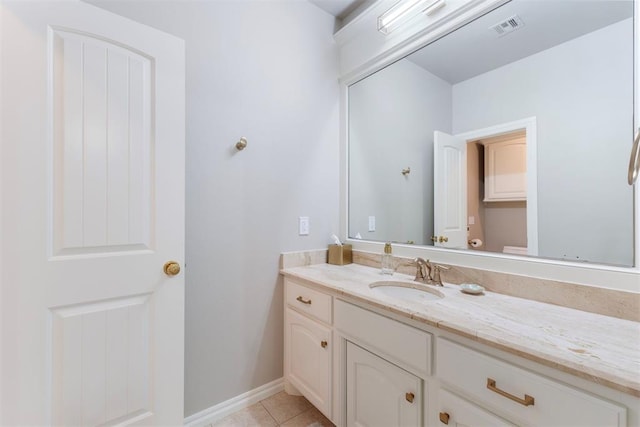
point(406, 291)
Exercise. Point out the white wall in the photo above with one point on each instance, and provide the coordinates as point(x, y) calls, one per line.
point(392, 116)
point(583, 118)
point(267, 71)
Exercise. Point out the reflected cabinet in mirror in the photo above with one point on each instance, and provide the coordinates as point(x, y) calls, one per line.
point(510, 134)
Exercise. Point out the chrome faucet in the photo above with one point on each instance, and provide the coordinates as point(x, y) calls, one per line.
point(428, 273)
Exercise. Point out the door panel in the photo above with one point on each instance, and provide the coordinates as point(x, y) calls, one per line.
point(103, 360)
point(93, 206)
point(102, 97)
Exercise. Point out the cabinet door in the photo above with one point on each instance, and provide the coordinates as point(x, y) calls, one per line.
point(379, 393)
point(308, 359)
point(458, 412)
point(506, 170)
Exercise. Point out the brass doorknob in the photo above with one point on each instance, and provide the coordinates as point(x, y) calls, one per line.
point(409, 397)
point(171, 268)
point(442, 239)
point(444, 418)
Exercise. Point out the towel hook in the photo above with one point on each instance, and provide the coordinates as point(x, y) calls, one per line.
point(242, 144)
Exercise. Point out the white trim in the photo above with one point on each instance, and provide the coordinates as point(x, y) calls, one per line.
point(363, 50)
point(529, 125)
point(344, 162)
point(244, 400)
point(636, 115)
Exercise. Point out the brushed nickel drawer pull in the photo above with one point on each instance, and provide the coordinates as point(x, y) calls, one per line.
point(444, 418)
point(409, 396)
point(527, 401)
point(304, 301)
point(323, 344)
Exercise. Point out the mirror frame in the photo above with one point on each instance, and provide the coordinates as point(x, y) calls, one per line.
point(363, 51)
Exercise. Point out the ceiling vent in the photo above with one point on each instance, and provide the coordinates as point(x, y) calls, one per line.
point(507, 26)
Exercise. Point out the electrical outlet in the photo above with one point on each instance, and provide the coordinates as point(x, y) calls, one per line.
point(372, 223)
point(303, 226)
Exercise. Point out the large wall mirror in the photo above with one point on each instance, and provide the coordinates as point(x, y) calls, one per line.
point(510, 134)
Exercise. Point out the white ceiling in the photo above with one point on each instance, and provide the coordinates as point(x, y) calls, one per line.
point(475, 49)
point(338, 8)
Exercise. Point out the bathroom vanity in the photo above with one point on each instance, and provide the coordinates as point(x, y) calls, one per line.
point(366, 358)
point(548, 347)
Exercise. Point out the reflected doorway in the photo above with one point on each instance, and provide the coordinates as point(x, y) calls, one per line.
point(485, 189)
point(497, 193)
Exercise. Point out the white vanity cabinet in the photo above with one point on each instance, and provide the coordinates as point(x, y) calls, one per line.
point(366, 365)
point(308, 344)
point(380, 393)
point(521, 395)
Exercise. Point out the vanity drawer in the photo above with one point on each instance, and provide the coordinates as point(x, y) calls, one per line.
point(399, 343)
point(308, 301)
point(456, 411)
point(553, 404)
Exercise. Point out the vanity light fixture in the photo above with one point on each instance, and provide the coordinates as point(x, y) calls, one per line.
point(404, 11)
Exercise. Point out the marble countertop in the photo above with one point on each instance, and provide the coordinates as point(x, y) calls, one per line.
point(602, 349)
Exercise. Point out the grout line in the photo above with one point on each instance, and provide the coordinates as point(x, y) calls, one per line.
point(272, 417)
point(290, 418)
point(275, 421)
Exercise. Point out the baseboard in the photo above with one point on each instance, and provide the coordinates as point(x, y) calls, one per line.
point(221, 410)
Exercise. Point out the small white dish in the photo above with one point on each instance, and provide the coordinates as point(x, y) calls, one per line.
point(471, 288)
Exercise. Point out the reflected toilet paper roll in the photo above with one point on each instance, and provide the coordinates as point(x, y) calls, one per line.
point(475, 243)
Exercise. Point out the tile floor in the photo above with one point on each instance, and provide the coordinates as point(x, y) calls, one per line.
point(278, 410)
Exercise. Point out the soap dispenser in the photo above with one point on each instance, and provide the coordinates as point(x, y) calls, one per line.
point(387, 260)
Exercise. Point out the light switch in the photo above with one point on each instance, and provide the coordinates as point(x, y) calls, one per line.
point(372, 223)
point(472, 220)
point(303, 226)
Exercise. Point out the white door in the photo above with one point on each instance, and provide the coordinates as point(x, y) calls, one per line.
point(380, 394)
point(92, 140)
point(450, 191)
